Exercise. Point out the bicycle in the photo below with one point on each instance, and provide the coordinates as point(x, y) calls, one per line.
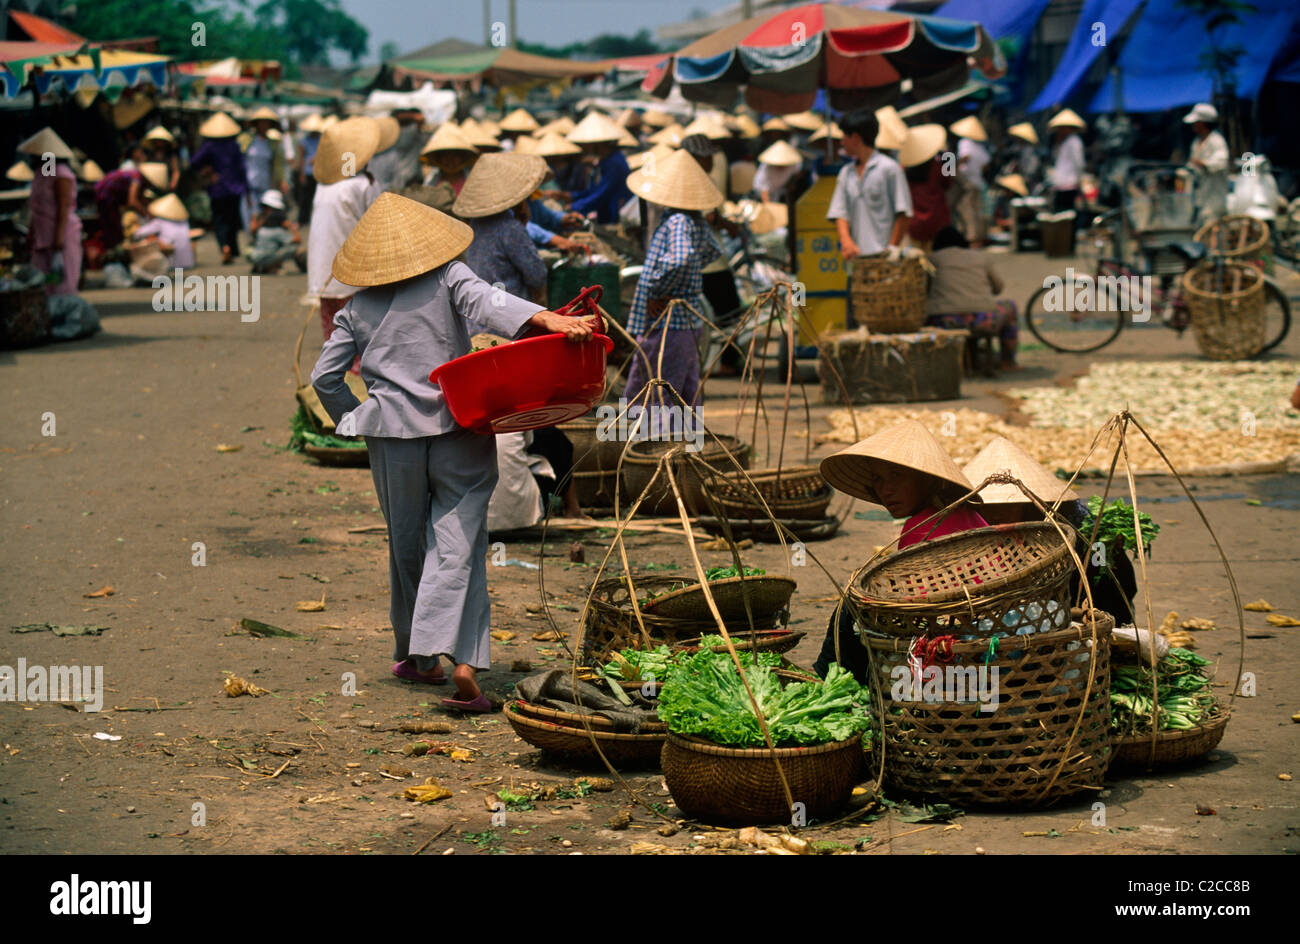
point(1125, 288)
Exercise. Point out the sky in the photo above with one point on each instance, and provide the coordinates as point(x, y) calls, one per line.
point(415, 23)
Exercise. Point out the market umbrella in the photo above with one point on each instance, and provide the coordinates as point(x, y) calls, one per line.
point(860, 56)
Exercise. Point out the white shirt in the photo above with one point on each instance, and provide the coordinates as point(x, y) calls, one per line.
point(972, 158)
point(1212, 189)
point(334, 211)
point(773, 179)
point(175, 233)
point(1069, 164)
point(870, 202)
point(517, 500)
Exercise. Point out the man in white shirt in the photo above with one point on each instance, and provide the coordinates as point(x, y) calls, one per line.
point(1209, 159)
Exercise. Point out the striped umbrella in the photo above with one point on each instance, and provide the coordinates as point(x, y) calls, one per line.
point(860, 56)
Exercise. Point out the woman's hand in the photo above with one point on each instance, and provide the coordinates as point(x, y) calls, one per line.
point(575, 329)
point(849, 250)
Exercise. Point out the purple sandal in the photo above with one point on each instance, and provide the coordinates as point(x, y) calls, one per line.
point(407, 672)
point(479, 705)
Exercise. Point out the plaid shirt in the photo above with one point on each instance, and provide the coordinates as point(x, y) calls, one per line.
point(679, 250)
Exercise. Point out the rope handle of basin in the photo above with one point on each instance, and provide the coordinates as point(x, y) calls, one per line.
point(586, 302)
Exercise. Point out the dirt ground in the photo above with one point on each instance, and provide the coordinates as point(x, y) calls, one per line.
point(133, 479)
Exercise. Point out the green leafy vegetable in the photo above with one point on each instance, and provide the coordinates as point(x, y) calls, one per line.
point(302, 433)
point(635, 665)
point(1116, 529)
point(1186, 700)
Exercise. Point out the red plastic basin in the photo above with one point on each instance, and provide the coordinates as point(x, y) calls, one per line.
point(525, 384)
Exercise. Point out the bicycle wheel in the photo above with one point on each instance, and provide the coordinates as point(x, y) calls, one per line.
point(1070, 332)
point(1277, 316)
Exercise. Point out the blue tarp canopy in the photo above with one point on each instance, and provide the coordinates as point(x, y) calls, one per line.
point(1161, 63)
point(1008, 19)
point(1082, 50)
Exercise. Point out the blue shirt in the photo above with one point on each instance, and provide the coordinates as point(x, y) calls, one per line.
point(609, 193)
point(502, 252)
point(539, 236)
point(679, 250)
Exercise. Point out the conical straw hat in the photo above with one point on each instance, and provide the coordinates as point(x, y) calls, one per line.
point(519, 120)
point(969, 127)
point(498, 182)
point(805, 121)
point(1024, 131)
point(488, 126)
point(264, 114)
point(20, 172)
point(747, 127)
point(398, 238)
point(553, 144)
point(1002, 455)
point(708, 125)
point(922, 143)
point(893, 130)
point(1067, 119)
point(46, 141)
point(561, 126)
point(629, 118)
point(329, 121)
point(219, 125)
point(448, 138)
point(526, 144)
point(158, 175)
point(659, 152)
point(345, 150)
point(671, 135)
point(595, 128)
point(169, 208)
point(831, 130)
point(1015, 183)
point(478, 136)
point(159, 133)
point(389, 129)
point(657, 119)
point(781, 154)
point(626, 139)
point(677, 181)
point(312, 123)
point(775, 124)
point(908, 445)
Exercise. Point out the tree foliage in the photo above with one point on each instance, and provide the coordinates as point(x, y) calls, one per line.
point(604, 46)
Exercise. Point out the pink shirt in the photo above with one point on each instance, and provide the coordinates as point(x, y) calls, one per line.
point(915, 530)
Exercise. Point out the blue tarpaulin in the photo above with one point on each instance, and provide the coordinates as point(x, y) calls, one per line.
point(1082, 49)
point(1161, 63)
point(1008, 19)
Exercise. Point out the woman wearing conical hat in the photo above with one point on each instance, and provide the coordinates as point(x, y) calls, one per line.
point(162, 150)
point(1110, 572)
point(416, 309)
point(220, 161)
point(918, 155)
point(448, 157)
point(1067, 159)
point(264, 158)
point(599, 136)
point(162, 243)
point(905, 469)
point(54, 235)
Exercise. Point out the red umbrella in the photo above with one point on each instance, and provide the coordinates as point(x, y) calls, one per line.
point(860, 56)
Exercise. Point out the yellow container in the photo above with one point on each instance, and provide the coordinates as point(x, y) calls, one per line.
point(818, 264)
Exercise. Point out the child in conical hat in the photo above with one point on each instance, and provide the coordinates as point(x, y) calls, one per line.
point(416, 309)
point(905, 469)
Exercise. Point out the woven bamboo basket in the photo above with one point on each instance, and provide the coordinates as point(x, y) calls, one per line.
point(574, 720)
point(1226, 304)
point(1172, 747)
point(740, 786)
point(574, 743)
point(799, 493)
point(595, 489)
point(888, 297)
point(642, 458)
point(611, 624)
point(1237, 237)
point(317, 415)
point(769, 640)
point(338, 456)
point(974, 583)
point(1041, 727)
point(767, 596)
point(590, 453)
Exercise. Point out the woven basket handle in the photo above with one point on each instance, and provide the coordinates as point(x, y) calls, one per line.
point(297, 348)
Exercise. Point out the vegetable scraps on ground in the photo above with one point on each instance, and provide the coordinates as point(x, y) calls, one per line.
point(1185, 699)
point(707, 699)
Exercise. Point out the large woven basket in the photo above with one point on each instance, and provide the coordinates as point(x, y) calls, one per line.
point(977, 582)
point(642, 459)
point(595, 489)
point(574, 720)
point(888, 297)
point(1226, 303)
point(769, 640)
point(799, 493)
point(24, 318)
point(1171, 747)
point(1043, 741)
point(611, 624)
point(575, 743)
point(740, 786)
point(1237, 237)
point(590, 452)
point(767, 597)
point(338, 456)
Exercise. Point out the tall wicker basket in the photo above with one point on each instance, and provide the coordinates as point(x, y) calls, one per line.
point(1226, 303)
point(1048, 733)
point(888, 297)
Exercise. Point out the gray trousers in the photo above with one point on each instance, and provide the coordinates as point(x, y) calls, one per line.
point(434, 493)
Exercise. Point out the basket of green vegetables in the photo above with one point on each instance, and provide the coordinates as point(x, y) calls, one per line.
point(1183, 723)
point(766, 596)
point(715, 761)
point(326, 448)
